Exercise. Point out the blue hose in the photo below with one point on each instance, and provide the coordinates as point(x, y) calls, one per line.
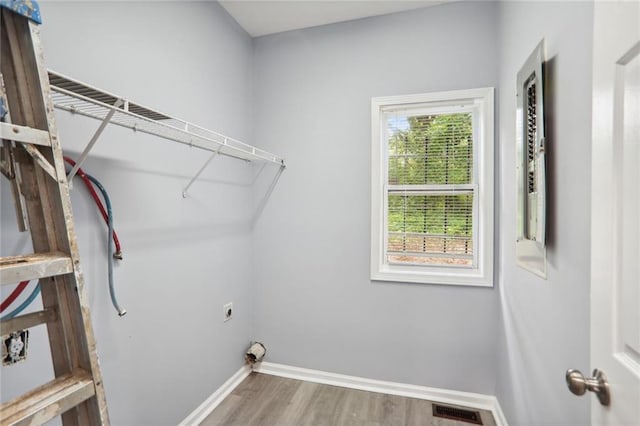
point(23, 305)
point(110, 248)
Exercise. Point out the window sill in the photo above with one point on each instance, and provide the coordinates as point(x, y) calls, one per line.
point(438, 276)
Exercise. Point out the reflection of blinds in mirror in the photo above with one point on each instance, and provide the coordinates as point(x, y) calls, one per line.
point(531, 131)
point(531, 134)
point(430, 189)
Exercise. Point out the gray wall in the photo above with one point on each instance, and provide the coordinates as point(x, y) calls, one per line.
point(545, 324)
point(300, 282)
point(183, 258)
point(315, 304)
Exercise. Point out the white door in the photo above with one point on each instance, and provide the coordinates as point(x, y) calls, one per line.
point(615, 211)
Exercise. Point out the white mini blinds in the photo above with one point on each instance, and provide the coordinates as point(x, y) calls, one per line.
point(432, 188)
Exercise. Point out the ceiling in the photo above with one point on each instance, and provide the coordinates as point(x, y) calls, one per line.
point(262, 17)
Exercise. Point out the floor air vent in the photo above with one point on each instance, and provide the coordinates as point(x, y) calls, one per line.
point(459, 414)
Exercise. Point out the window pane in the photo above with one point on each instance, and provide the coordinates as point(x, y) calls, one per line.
point(430, 149)
point(430, 229)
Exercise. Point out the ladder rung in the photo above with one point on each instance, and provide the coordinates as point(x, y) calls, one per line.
point(49, 400)
point(13, 132)
point(27, 321)
point(33, 266)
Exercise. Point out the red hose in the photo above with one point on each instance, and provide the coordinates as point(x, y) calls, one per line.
point(13, 296)
point(118, 254)
point(98, 201)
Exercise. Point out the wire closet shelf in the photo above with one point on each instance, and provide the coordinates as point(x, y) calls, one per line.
point(80, 98)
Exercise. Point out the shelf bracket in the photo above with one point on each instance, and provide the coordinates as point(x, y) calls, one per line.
point(267, 195)
point(94, 139)
point(185, 193)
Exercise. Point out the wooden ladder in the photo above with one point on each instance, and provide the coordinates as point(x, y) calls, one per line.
point(32, 160)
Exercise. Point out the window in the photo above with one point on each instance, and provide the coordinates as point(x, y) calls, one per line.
point(432, 188)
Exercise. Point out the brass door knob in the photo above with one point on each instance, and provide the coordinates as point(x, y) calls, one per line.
point(597, 384)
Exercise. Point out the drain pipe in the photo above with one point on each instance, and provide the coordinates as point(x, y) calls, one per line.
point(255, 353)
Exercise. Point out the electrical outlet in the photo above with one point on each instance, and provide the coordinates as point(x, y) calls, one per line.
point(14, 347)
point(228, 311)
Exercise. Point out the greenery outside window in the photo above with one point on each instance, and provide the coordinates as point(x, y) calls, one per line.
point(432, 188)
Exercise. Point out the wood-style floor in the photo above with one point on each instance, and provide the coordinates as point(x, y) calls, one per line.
point(264, 400)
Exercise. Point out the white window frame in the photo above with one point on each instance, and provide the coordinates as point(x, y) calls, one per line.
point(481, 103)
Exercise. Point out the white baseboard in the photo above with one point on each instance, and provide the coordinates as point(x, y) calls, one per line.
point(498, 415)
point(200, 413)
point(467, 399)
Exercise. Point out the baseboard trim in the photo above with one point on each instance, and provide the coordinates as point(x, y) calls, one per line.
point(200, 413)
point(498, 414)
point(467, 399)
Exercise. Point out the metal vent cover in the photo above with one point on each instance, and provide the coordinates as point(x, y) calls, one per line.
point(455, 413)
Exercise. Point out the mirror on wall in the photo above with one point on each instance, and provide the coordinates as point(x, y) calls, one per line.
point(530, 165)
